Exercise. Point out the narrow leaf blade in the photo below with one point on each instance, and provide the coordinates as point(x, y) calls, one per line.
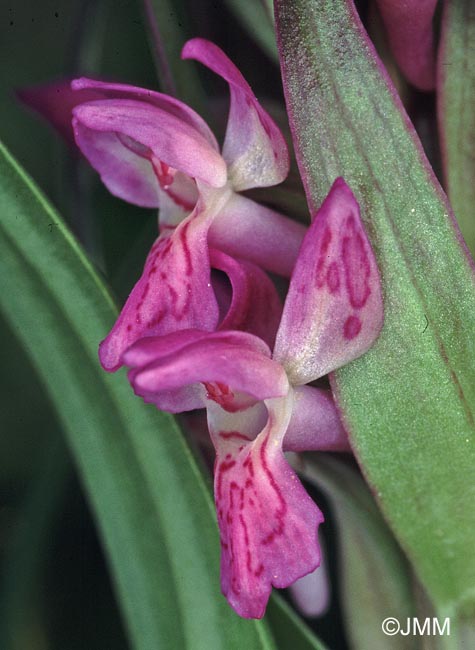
point(456, 101)
point(152, 504)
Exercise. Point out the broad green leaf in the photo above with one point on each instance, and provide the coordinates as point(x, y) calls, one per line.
point(374, 578)
point(257, 19)
point(409, 402)
point(152, 505)
point(456, 105)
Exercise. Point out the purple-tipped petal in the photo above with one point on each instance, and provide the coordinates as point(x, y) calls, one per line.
point(315, 424)
point(411, 37)
point(245, 229)
point(154, 136)
point(174, 292)
point(235, 368)
point(55, 102)
point(254, 147)
point(334, 309)
point(255, 306)
point(268, 523)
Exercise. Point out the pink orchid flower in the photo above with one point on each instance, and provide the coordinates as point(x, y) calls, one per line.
point(259, 405)
point(152, 150)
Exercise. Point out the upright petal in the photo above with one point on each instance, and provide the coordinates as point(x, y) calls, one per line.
point(268, 523)
point(254, 147)
point(255, 305)
point(234, 367)
point(334, 308)
point(174, 292)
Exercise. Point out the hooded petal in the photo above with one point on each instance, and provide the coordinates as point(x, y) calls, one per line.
point(333, 312)
point(245, 229)
point(268, 523)
point(254, 147)
point(235, 368)
point(255, 306)
point(166, 103)
point(133, 143)
point(174, 292)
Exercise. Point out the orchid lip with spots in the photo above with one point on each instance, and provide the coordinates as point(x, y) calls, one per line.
point(259, 405)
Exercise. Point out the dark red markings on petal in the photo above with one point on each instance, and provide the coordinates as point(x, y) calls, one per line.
point(357, 265)
point(322, 261)
point(221, 469)
point(224, 396)
point(165, 176)
point(248, 464)
point(333, 278)
point(229, 435)
point(352, 327)
point(186, 248)
point(259, 571)
point(279, 513)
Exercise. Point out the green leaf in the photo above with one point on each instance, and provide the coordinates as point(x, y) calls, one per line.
point(257, 18)
point(152, 505)
point(27, 546)
point(168, 29)
point(456, 98)
point(409, 402)
point(289, 628)
point(374, 576)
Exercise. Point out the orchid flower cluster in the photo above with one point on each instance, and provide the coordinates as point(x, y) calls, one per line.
point(194, 341)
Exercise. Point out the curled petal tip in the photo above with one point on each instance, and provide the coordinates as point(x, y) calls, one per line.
point(254, 147)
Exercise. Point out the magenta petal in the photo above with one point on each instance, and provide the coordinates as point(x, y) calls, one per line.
point(174, 292)
point(254, 147)
point(235, 368)
point(152, 134)
point(255, 305)
point(153, 348)
point(315, 424)
point(126, 175)
point(334, 308)
point(268, 523)
point(159, 100)
point(411, 36)
point(245, 229)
